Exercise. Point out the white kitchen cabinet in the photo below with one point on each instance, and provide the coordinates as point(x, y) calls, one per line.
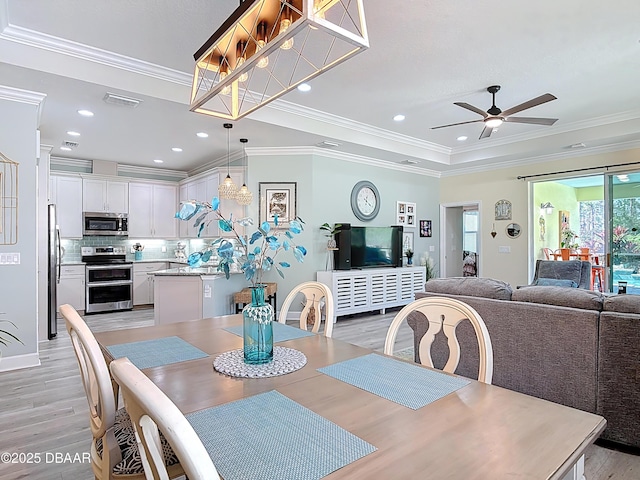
point(372, 289)
point(105, 196)
point(66, 194)
point(231, 207)
point(202, 189)
point(71, 288)
point(143, 282)
point(152, 210)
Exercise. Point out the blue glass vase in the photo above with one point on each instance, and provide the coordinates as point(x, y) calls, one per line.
point(257, 318)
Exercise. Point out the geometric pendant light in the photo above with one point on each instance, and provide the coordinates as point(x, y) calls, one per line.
point(244, 195)
point(267, 48)
point(228, 189)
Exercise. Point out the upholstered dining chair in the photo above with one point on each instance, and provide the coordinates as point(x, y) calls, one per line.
point(153, 413)
point(313, 293)
point(114, 451)
point(445, 314)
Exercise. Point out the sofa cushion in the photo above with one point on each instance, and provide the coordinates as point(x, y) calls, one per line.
point(471, 286)
point(568, 270)
point(555, 282)
point(560, 296)
point(622, 303)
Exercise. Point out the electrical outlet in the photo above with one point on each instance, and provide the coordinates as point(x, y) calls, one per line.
point(133, 250)
point(432, 248)
point(504, 249)
point(163, 249)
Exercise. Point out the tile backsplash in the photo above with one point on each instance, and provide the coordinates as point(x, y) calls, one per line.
point(152, 247)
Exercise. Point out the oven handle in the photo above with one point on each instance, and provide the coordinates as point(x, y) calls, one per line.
point(109, 284)
point(127, 266)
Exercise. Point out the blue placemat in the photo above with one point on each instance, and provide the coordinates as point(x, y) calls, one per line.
point(281, 332)
point(401, 382)
point(153, 353)
point(269, 436)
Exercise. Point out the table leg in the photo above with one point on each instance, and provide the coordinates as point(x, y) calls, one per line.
point(577, 472)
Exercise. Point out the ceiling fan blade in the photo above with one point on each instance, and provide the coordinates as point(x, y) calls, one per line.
point(472, 108)
point(534, 102)
point(486, 132)
point(454, 124)
point(535, 121)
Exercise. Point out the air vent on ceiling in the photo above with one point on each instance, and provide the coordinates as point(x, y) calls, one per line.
point(121, 100)
point(327, 144)
point(69, 144)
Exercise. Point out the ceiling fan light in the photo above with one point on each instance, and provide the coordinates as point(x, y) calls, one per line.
point(493, 122)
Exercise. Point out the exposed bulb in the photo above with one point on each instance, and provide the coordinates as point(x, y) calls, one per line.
point(285, 23)
point(318, 11)
point(224, 71)
point(240, 59)
point(262, 41)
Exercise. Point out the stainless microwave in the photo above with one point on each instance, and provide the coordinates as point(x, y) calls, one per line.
point(98, 223)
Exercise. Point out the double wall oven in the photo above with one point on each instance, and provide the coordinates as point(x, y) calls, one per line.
point(109, 279)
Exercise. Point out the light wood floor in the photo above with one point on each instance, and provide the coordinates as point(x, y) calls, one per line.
point(44, 410)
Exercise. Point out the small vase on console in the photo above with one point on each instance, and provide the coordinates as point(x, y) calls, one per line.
point(257, 318)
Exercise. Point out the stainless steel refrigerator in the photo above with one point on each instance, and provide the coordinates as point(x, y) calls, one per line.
point(55, 258)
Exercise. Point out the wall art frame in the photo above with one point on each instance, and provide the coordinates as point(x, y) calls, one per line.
point(277, 198)
point(406, 214)
point(503, 210)
point(426, 228)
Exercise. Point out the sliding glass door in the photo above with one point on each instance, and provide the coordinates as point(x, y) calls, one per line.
point(624, 232)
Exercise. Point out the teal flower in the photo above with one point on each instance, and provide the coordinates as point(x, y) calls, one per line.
point(253, 255)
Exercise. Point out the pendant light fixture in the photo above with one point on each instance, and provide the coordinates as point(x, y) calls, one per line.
point(228, 189)
point(267, 48)
point(244, 196)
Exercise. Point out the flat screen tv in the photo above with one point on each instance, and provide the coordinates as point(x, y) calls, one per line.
point(376, 247)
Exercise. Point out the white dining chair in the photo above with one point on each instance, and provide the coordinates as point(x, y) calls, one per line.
point(114, 454)
point(445, 314)
point(152, 412)
point(313, 293)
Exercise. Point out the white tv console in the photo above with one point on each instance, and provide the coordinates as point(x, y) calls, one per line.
point(371, 289)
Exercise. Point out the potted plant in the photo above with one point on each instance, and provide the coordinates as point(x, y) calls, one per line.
point(7, 337)
point(409, 254)
point(330, 232)
point(569, 239)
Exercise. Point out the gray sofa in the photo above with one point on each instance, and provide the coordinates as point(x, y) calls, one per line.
point(566, 345)
point(577, 271)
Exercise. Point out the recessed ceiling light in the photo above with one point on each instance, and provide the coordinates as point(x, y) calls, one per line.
point(304, 87)
point(399, 118)
point(202, 134)
point(66, 149)
point(86, 113)
point(176, 149)
point(462, 138)
point(73, 134)
point(623, 178)
point(157, 160)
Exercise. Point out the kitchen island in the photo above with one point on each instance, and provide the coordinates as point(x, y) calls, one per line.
point(186, 293)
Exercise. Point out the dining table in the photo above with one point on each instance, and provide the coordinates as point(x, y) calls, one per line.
point(472, 431)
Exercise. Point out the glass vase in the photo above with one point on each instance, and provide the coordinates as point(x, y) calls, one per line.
point(257, 318)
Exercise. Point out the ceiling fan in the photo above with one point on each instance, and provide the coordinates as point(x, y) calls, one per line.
point(494, 117)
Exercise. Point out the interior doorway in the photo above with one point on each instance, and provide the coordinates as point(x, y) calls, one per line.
point(460, 239)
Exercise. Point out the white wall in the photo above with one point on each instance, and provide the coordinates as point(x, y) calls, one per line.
point(18, 283)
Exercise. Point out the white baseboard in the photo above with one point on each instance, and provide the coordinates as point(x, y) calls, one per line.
point(19, 361)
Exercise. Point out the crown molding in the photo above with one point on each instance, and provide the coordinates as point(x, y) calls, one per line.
point(347, 157)
point(150, 171)
point(324, 117)
point(4, 14)
point(80, 51)
point(24, 96)
point(544, 158)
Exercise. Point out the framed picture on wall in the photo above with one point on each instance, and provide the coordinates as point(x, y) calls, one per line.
point(277, 199)
point(406, 214)
point(425, 228)
point(407, 241)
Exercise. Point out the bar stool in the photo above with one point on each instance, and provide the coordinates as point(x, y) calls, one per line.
point(243, 297)
point(597, 271)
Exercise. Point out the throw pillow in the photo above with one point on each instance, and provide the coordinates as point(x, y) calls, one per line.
point(555, 282)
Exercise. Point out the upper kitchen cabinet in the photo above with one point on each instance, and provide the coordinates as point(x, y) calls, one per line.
point(152, 210)
point(105, 196)
point(66, 194)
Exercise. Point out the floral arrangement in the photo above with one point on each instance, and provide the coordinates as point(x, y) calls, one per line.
point(568, 238)
point(257, 253)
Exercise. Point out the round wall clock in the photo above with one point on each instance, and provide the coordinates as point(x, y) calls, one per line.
point(365, 200)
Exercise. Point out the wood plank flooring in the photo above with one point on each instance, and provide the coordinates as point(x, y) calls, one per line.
point(44, 410)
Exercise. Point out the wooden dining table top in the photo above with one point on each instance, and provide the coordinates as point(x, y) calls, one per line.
point(479, 431)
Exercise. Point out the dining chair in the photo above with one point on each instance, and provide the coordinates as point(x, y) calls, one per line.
point(153, 413)
point(584, 253)
point(597, 272)
point(445, 314)
point(114, 451)
point(313, 292)
point(547, 253)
